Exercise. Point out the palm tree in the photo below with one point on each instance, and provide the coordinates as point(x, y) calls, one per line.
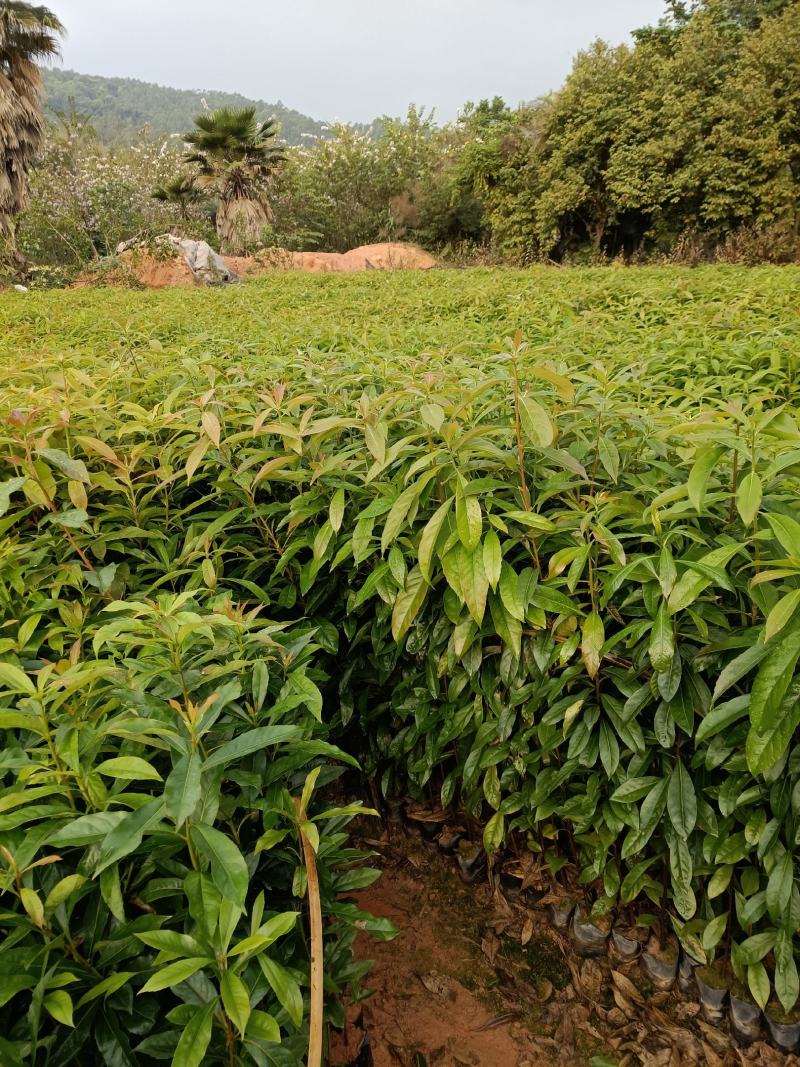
point(27, 33)
point(180, 191)
point(235, 156)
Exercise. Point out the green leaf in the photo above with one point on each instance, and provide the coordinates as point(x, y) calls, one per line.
point(284, 987)
point(15, 680)
point(553, 601)
point(336, 510)
point(680, 869)
point(183, 788)
point(127, 835)
point(714, 931)
point(235, 1000)
point(171, 942)
point(634, 789)
point(508, 628)
point(174, 973)
point(755, 948)
point(278, 926)
point(691, 583)
point(748, 497)
point(493, 558)
point(32, 903)
point(787, 987)
point(721, 717)
point(469, 519)
point(87, 829)
point(592, 640)
point(12, 485)
point(106, 986)
point(681, 801)
point(263, 1027)
point(408, 603)
point(662, 640)
point(787, 533)
point(706, 460)
point(536, 423)
point(649, 817)
point(129, 768)
point(719, 881)
point(75, 469)
point(509, 592)
point(474, 583)
point(228, 868)
point(429, 537)
point(195, 1038)
point(494, 833)
point(432, 415)
point(72, 518)
point(609, 456)
point(250, 741)
point(738, 667)
point(779, 887)
point(758, 981)
point(63, 890)
point(773, 679)
point(59, 1005)
point(400, 509)
point(10, 985)
point(782, 613)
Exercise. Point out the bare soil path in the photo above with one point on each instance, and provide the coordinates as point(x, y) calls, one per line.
point(475, 980)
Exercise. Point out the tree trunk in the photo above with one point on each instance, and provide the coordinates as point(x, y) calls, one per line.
point(240, 224)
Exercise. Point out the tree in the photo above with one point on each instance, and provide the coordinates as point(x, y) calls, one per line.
point(235, 156)
point(754, 148)
point(180, 191)
point(27, 33)
point(575, 202)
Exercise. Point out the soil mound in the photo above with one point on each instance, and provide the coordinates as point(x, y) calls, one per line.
point(140, 267)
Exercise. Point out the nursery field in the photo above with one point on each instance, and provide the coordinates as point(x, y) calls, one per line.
point(521, 545)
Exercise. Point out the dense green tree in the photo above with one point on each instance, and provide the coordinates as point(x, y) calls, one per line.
point(754, 148)
point(27, 34)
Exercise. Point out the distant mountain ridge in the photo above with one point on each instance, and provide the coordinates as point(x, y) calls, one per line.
point(119, 107)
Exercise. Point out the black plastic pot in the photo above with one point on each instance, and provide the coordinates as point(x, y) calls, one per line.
point(712, 990)
point(561, 913)
point(471, 863)
point(428, 823)
point(745, 1020)
point(660, 963)
point(686, 969)
point(448, 840)
point(589, 935)
point(625, 948)
point(785, 1035)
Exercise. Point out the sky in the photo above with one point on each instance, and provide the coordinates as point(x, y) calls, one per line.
point(346, 59)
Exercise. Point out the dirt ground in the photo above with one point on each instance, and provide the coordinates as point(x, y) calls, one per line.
point(139, 267)
point(476, 980)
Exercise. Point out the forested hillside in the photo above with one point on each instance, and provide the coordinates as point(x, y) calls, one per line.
point(120, 107)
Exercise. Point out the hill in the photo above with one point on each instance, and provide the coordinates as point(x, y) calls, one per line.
point(120, 107)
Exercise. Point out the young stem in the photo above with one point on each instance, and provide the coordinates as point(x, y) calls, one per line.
point(317, 969)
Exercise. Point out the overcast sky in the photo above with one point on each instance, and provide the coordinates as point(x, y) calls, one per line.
point(346, 59)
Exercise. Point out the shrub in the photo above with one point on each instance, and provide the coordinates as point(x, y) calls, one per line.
point(555, 585)
point(157, 783)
